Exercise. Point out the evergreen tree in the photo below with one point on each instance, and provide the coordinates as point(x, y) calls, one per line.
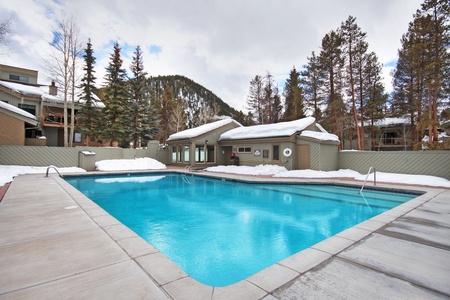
point(354, 48)
point(423, 68)
point(255, 99)
point(372, 91)
point(144, 122)
point(312, 81)
point(293, 96)
point(89, 115)
point(271, 104)
point(436, 16)
point(331, 61)
point(117, 108)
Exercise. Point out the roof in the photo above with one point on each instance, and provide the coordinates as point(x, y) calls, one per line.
point(321, 136)
point(40, 91)
point(200, 130)
point(17, 112)
point(269, 130)
point(392, 121)
point(31, 90)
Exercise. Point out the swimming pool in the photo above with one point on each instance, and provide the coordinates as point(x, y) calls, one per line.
point(221, 231)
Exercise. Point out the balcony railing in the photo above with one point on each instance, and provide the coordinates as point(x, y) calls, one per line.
point(56, 120)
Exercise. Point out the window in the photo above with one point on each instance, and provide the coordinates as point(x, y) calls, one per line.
point(276, 152)
point(244, 149)
point(199, 153)
point(174, 153)
point(28, 108)
point(18, 78)
point(180, 153)
point(265, 153)
point(210, 157)
point(186, 153)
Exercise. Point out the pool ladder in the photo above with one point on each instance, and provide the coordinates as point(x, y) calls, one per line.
point(187, 169)
point(52, 167)
point(367, 176)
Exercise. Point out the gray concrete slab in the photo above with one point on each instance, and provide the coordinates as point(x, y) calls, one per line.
point(49, 258)
point(56, 243)
point(399, 258)
point(118, 281)
point(339, 279)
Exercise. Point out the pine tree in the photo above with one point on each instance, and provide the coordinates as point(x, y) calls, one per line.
point(271, 104)
point(423, 68)
point(293, 96)
point(331, 62)
point(312, 81)
point(255, 99)
point(117, 108)
point(144, 121)
point(372, 91)
point(436, 16)
point(89, 117)
point(354, 48)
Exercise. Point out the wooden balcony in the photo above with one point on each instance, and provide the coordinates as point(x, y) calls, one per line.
point(55, 120)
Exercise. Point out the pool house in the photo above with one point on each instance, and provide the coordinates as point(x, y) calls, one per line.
point(299, 144)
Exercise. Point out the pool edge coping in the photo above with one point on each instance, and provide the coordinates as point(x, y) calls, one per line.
point(261, 283)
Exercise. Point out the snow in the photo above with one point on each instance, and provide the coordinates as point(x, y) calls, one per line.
point(343, 173)
point(43, 92)
point(245, 170)
point(268, 130)
point(392, 121)
point(145, 163)
point(16, 110)
point(322, 136)
point(197, 131)
point(30, 90)
point(8, 172)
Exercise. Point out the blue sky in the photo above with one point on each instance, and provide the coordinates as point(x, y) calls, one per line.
point(219, 44)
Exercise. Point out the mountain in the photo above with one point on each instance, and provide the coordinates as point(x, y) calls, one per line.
point(201, 104)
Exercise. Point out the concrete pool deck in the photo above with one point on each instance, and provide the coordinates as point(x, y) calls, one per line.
point(55, 243)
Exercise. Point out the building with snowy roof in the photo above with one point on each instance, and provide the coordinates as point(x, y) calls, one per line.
point(19, 88)
point(13, 124)
point(299, 144)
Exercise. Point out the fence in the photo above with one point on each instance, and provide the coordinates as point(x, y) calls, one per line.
point(435, 163)
point(68, 157)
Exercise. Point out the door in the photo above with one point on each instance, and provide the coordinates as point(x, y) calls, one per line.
point(303, 158)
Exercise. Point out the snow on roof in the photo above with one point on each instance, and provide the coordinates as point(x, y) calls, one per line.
point(42, 92)
point(16, 110)
point(322, 136)
point(197, 131)
point(269, 130)
point(392, 121)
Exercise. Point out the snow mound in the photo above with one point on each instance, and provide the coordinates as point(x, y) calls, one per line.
point(145, 163)
point(318, 174)
point(7, 173)
point(245, 170)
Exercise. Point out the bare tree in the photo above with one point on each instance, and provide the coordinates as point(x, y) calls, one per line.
point(62, 66)
point(5, 32)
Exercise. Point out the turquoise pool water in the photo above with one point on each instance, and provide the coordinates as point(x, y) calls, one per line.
point(220, 231)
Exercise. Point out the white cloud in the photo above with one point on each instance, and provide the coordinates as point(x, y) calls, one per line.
point(219, 44)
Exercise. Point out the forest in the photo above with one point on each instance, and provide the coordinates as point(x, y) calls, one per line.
point(340, 84)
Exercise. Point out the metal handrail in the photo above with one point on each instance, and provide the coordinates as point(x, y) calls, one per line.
point(52, 167)
point(367, 176)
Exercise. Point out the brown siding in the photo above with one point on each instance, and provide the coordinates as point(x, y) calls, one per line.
point(12, 131)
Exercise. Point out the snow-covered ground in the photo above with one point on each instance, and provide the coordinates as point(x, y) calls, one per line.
point(8, 172)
